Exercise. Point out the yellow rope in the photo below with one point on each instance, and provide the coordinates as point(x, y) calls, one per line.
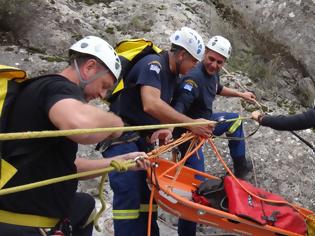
point(121, 166)
point(103, 203)
point(58, 133)
point(114, 165)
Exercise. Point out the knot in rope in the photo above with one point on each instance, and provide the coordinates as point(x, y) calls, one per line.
point(119, 165)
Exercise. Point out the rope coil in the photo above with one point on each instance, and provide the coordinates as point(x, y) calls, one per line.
point(119, 165)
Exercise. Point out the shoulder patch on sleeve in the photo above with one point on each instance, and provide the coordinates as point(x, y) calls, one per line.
point(155, 66)
point(188, 87)
point(192, 83)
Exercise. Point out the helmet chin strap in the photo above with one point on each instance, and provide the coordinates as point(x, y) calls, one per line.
point(178, 64)
point(83, 83)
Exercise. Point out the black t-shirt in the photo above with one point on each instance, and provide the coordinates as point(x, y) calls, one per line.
point(152, 70)
point(40, 159)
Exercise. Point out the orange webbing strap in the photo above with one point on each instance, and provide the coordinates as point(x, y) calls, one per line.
point(188, 154)
point(167, 147)
point(155, 153)
point(150, 211)
point(202, 141)
point(297, 208)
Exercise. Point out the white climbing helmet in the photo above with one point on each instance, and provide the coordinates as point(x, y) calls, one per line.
point(220, 45)
point(99, 48)
point(190, 40)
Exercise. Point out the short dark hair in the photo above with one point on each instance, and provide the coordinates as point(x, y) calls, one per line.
point(81, 58)
point(176, 48)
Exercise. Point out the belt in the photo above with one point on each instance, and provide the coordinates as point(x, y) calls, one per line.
point(124, 138)
point(13, 218)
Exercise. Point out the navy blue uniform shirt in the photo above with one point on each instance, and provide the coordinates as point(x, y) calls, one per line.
point(196, 93)
point(152, 70)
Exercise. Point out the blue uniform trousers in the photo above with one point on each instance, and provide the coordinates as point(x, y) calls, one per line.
point(131, 195)
point(196, 161)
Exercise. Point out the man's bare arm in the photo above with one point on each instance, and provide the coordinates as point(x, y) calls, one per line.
point(73, 114)
point(156, 107)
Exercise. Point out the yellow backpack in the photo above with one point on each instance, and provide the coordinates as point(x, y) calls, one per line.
point(11, 79)
point(130, 51)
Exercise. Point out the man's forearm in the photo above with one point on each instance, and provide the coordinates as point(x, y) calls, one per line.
point(227, 92)
point(84, 164)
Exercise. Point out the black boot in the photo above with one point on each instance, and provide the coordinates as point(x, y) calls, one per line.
point(242, 168)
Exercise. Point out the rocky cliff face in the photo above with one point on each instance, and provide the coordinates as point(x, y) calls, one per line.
point(272, 40)
point(287, 28)
point(273, 51)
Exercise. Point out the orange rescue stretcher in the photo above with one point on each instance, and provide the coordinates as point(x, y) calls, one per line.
point(172, 184)
point(171, 196)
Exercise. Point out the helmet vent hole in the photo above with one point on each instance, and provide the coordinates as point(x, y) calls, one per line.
point(84, 45)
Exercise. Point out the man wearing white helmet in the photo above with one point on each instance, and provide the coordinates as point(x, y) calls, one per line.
point(58, 102)
point(195, 97)
point(147, 103)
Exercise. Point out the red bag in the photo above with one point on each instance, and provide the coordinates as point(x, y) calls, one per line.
point(246, 206)
point(200, 199)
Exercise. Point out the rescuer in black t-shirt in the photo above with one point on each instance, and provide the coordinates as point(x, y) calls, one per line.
point(58, 102)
